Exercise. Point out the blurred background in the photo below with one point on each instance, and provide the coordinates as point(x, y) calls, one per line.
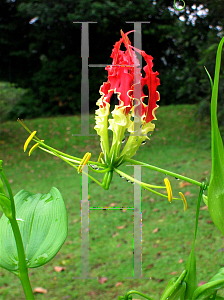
point(40, 51)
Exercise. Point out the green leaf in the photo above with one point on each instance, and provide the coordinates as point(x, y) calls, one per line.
point(169, 285)
point(2, 187)
point(209, 289)
point(5, 205)
point(42, 221)
point(205, 199)
point(191, 277)
point(210, 78)
point(175, 288)
point(216, 185)
point(2, 191)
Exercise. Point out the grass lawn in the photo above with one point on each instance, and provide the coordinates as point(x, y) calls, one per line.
point(180, 144)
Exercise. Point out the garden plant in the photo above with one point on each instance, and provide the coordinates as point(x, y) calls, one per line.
point(33, 227)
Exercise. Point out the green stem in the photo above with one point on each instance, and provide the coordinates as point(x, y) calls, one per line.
point(191, 278)
point(99, 171)
point(68, 157)
point(23, 271)
point(75, 159)
point(202, 188)
point(91, 177)
point(107, 179)
point(68, 162)
point(143, 184)
point(10, 194)
point(56, 153)
point(140, 294)
point(166, 172)
point(52, 150)
point(146, 186)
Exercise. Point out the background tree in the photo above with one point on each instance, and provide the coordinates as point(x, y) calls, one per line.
point(45, 46)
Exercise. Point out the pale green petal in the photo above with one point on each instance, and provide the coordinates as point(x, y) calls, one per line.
point(101, 126)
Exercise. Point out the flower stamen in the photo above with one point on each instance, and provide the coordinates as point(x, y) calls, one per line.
point(169, 190)
point(34, 147)
point(28, 140)
point(23, 124)
point(184, 201)
point(100, 157)
point(83, 162)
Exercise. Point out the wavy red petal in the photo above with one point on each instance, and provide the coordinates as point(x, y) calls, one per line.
point(122, 75)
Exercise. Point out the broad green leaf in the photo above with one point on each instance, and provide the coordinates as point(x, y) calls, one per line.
point(175, 288)
point(209, 289)
point(191, 278)
point(42, 221)
point(216, 185)
point(169, 285)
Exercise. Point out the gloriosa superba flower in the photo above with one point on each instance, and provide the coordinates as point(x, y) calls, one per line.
point(131, 115)
point(126, 82)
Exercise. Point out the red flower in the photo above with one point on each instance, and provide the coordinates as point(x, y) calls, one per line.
point(124, 78)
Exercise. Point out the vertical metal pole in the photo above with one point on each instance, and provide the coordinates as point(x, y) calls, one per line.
point(137, 224)
point(137, 77)
point(85, 226)
point(85, 79)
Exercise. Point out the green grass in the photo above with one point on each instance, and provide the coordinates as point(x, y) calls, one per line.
point(180, 144)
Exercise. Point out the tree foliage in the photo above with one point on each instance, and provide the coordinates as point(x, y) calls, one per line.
point(41, 47)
